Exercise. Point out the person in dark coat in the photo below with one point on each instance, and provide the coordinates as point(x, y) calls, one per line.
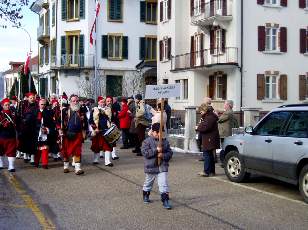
point(208, 129)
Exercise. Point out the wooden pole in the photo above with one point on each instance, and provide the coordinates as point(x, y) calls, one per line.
point(160, 143)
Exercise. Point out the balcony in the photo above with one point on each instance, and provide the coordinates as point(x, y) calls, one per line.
point(207, 13)
point(43, 35)
point(205, 59)
point(70, 61)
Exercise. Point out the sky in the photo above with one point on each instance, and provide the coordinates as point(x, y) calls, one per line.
point(15, 43)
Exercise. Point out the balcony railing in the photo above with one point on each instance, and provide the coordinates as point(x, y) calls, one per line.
point(205, 58)
point(72, 61)
point(206, 13)
point(43, 32)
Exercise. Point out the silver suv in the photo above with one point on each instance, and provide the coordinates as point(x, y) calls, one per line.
point(276, 147)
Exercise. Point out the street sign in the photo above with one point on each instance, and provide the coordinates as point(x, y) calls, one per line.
point(162, 91)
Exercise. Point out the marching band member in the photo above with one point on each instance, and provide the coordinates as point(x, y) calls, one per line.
point(73, 130)
point(44, 126)
point(99, 122)
point(8, 142)
point(113, 118)
point(53, 136)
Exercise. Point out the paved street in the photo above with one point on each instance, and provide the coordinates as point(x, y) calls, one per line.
point(110, 198)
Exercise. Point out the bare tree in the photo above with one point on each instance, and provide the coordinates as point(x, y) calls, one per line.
point(91, 87)
point(10, 11)
point(133, 83)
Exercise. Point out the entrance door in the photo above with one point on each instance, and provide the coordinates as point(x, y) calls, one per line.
point(114, 85)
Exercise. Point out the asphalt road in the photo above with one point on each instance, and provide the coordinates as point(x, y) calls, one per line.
point(111, 198)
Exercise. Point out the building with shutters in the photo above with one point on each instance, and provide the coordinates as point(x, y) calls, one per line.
point(125, 52)
point(252, 52)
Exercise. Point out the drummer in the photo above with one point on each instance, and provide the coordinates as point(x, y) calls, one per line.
point(99, 121)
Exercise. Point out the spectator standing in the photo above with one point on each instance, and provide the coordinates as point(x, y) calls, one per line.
point(125, 120)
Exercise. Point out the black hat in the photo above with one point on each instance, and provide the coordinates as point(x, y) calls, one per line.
point(156, 127)
point(138, 97)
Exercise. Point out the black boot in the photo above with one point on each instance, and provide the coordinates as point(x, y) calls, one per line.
point(165, 200)
point(146, 197)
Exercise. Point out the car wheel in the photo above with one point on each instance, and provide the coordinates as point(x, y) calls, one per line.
point(303, 183)
point(235, 168)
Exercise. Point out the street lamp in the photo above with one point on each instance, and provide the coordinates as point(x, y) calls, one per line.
point(18, 27)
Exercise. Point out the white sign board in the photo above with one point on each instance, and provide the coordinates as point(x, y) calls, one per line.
point(162, 91)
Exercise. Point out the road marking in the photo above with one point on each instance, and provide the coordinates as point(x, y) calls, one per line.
point(259, 191)
point(30, 203)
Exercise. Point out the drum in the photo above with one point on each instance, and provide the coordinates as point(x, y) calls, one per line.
point(112, 134)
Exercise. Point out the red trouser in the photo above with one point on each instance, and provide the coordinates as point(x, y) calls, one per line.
point(72, 148)
point(8, 147)
point(44, 153)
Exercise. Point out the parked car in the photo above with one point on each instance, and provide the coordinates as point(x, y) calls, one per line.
point(276, 147)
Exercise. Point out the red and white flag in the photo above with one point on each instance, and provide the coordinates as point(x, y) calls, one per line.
point(27, 64)
point(93, 29)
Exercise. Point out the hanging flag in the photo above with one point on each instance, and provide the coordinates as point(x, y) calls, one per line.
point(27, 64)
point(93, 29)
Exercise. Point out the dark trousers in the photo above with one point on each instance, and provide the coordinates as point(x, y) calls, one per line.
point(125, 137)
point(140, 129)
point(209, 161)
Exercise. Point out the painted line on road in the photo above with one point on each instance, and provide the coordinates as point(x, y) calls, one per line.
point(259, 191)
point(30, 203)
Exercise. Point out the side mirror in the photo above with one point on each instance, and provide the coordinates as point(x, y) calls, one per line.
point(249, 130)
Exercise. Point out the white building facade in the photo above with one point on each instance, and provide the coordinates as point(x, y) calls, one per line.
point(125, 37)
point(246, 51)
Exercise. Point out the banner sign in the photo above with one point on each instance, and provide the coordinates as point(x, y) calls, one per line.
point(162, 91)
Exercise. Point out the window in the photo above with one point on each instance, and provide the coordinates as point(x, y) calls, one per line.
point(53, 49)
point(72, 9)
point(218, 41)
point(150, 43)
point(197, 7)
point(165, 81)
point(271, 41)
point(271, 87)
point(184, 89)
point(165, 49)
point(115, 10)
point(165, 10)
point(298, 126)
point(41, 55)
point(272, 2)
point(218, 7)
point(273, 124)
point(219, 87)
point(46, 55)
point(114, 46)
point(53, 19)
point(306, 86)
point(72, 50)
point(151, 12)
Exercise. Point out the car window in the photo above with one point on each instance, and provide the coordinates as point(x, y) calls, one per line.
point(273, 124)
point(298, 126)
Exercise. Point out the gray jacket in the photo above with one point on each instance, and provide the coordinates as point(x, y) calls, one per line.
point(149, 151)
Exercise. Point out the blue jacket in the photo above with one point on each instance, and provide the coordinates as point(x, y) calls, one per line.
point(149, 151)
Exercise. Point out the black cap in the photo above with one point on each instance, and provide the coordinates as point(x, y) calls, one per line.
point(138, 97)
point(156, 127)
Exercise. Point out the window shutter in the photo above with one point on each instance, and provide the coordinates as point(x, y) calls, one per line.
point(104, 46)
point(283, 87)
point(260, 2)
point(303, 38)
point(302, 87)
point(212, 86)
point(169, 9)
point(125, 47)
point(302, 4)
point(111, 9)
point(64, 10)
point(224, 7)
point(261, 38)
point(283, 39)
point(202, 48)
point(212, 7)
point(161, 50)
point(191, 7)
point(142, 11)
point(63, 49)
point(224, 87)
point(284, 3)
point(212, 41)
point(118, 12)
point(81, 50)
point(169, 48)
point(82, 9)
point(223, 40)
point(161, 11)
point(202, 6)
point(142, 48)
point(192, 51)
point(260, 86)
